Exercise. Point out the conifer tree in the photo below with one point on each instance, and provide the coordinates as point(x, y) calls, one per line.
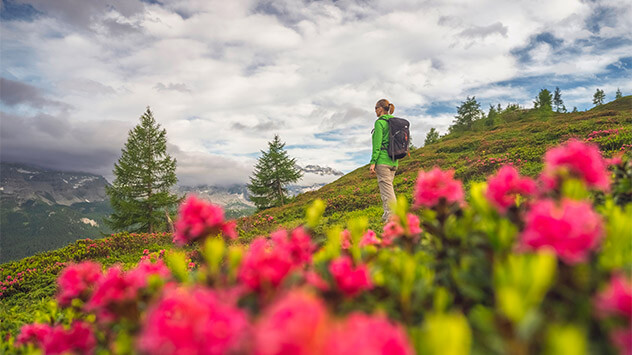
point(431, 137)
point(467, 113)
point(273, 172)
point(543, 101)
point(140, 193)
point(618, 94)
point(557, 101)
point(599, 97)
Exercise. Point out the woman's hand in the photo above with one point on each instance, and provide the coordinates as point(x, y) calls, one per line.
point(372, 168)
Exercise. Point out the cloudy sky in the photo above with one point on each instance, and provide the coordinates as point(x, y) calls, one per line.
point(224, 76)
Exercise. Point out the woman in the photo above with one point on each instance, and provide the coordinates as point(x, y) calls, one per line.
point(381, 163)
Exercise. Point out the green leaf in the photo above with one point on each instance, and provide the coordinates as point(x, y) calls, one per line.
point(314, 213)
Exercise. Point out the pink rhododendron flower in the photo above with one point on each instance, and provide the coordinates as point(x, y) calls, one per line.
point(363, 334)
point(616, 299)
point(56, 340)
point(265, 265)
point(349, 280)
point(369, 238)
point(298, 245)
point(78, 281)
point(503, 187)
point(193, 321)
point(301, 246)
point(112, 294)
point(139, 276)
point(33, 333)
point(582, 160)
point(572, 229)
point(392, 230)
point(297, 323)
point(622, 339)
point(434, 185)
point(314, 279)
point(198, 219)
point(345, 239)
point(414, 225)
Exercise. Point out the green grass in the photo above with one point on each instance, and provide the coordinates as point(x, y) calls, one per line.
point(521, 137)
point(522, 134)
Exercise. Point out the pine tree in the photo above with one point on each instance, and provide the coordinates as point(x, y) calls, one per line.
point(274, 170)
point(543, 101)
point(467, 113)
point(599, 97)
point(618, 94)
point(557, 101)
point(431, 137)
point(491, 116)
point(140, 193)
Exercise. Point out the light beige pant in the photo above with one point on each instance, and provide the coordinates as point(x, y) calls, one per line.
point(385, 176)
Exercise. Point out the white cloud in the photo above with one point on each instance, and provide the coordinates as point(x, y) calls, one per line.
point(224, 76)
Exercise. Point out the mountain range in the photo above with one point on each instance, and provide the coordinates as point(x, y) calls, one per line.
point(43, 209)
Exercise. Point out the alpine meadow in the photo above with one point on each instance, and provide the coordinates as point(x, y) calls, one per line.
point(315, 177)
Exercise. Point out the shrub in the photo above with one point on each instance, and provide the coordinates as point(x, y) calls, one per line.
point(514, 269)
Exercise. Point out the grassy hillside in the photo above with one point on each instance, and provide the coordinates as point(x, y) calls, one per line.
point(520, 137)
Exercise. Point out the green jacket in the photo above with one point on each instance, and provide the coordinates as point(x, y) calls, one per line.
point(380, 139)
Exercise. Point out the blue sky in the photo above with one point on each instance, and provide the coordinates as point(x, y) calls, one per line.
point(224, 76)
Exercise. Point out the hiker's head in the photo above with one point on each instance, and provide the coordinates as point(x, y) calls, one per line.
point(384, 107)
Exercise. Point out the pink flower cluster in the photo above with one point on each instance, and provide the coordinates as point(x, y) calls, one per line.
point(572, 228)
point(394, 229)
point(503, 188)
point(78, 281)
point(267, 263)
point(369, 238)
point(299, 323)
point(435, 186)
point(351, 281)
point(616, 300)
point(581, 160)
point(57, 340)
point(198, 219)
point(601, 133)
point(193, 321)
point(118, 288)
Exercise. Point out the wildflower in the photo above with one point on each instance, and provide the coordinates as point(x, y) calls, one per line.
point(572, 229)
point(113, 291)
point(193, 322)
point(264, 265)
point(198, 219)
point(57, 340)
point(78, 281)
point(314, 279)
point(503, 188)
point(295, 324)
point(139, 276)
point(622, 339)
point(435, 186)
point(345, 239)
point(414, 227)
point(581, 160)
point(363, 334)
point(349, 280)
point(369, 238)
point(616, 299)
point(301, 247)
point(33, 333)
point(392, 230)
